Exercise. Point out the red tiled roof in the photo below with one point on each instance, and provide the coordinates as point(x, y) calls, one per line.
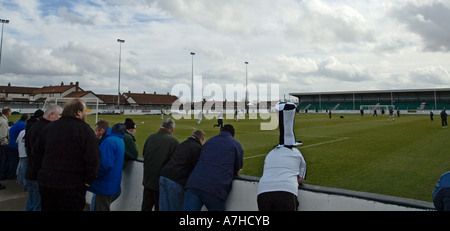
point(112, 99)
point(52, 89)
point(158, 99)
point(17, 90)
point(57, 89)
point(78, 94)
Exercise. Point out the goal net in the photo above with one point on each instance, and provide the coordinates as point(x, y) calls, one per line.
point(91, 104)
point(376, 107)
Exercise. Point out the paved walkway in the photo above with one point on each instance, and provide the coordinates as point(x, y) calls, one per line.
point(14, 197)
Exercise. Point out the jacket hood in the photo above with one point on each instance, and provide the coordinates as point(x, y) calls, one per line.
point(116, 130)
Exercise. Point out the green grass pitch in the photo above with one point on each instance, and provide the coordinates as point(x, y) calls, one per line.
point(402, 158)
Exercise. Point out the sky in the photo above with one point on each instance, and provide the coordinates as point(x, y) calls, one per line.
point(298, 46)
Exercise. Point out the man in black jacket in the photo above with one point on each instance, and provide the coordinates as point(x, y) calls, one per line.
point(68, 158)
point(175, 173)
point(42, 119)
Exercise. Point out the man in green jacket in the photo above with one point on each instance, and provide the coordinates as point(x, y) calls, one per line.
point(158, 149)
point(131, 151)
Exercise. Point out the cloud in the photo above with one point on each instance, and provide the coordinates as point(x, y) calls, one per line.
point(393, 45)
point(242, 18)
point(313, 45)
point(297, 65)
point(320, 23)
point(87, 59)
point(337, 70)
point(432, 75)
point(23, 59)
point(73, 18)
point(429, 21)
point(329, 67)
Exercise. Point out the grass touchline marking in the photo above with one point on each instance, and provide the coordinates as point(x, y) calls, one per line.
point(326, 142)
point(307, 146)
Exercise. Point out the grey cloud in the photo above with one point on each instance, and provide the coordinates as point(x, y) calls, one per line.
point(391, 46)
point(330, 68)
point(319, 23)
point(23, 59)
point(334, 69)
point(73, 18)
point(86, 59)
point(430, 75)
point(231, 17)
point(429, 21)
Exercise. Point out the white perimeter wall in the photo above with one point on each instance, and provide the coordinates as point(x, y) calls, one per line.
point(243, 196)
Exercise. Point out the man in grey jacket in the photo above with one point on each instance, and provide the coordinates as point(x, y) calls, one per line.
point(4, 134)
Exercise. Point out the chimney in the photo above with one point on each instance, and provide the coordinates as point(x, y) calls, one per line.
point(62, 83)
point(76, 86)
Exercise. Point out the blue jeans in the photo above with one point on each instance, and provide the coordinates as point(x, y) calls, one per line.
point(195, 199)
point(113, 198)
point(442, 200)
point(34, 197)
point(171, 195)
point(9, 163)
point(21, 170)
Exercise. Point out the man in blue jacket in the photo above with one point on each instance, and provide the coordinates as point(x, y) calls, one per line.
point(109, 176)
point(209, 184)
point(441, 193)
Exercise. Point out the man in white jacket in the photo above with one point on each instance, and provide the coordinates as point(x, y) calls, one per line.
point(284, 167)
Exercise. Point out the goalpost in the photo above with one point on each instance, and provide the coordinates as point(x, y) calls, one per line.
point(377, 107)
point(90, 104)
